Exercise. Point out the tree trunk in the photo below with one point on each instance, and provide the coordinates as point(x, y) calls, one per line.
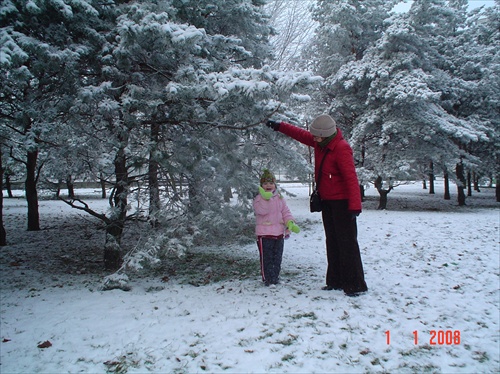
point(154, 188)
point(8, 186)
point(475, 179)
point(3, 233)
point(469, 184)
point(58, 189)
point(113, 256)
point(447, 195)
point(31, 192)
point(102, 182)
point(497, 188)
point(424, 184)
point(431, 179)
point(154, 191)
point(382, 204)
point(112, 247)
point(228, 194)
point(459, 171)
point(71, 187)
point(195, 205)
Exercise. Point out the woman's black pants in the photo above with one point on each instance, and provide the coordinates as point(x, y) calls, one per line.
point(345, 268)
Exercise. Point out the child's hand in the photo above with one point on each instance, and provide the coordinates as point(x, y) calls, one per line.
point(293, 227)
point(265, 194)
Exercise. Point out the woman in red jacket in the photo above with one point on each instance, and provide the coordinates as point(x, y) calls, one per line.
point(341, 201)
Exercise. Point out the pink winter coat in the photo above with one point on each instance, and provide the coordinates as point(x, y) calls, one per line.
point(271, 215)
point(339, 180)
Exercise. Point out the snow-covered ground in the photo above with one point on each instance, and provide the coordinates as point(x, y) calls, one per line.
point(432, 269)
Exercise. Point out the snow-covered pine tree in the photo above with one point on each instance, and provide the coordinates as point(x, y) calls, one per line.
point(347, 28)
point(40, 53)
point(3, 233)
point(394, 97)
point(181, 86)
point(448, 34)
point(475, 62)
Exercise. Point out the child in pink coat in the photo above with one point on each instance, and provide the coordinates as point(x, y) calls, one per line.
point(274, 221)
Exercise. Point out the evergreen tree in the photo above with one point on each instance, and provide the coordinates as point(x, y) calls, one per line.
point(3, 233)
point(180, 102)
point(475, 61)
point(41, 51)
point(346, 30)
point(398, 94)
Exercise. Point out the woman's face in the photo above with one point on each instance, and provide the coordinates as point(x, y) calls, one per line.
point(318, 139)
point(268, 186)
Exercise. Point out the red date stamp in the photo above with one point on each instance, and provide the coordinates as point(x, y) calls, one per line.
point(436, 337)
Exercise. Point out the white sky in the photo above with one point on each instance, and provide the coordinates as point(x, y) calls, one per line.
point(405, 6)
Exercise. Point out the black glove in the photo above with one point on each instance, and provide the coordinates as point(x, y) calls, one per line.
point(273, 125)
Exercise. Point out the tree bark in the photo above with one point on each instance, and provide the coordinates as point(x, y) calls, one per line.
point(112, 247)
point(113, 256)
point(497, 188)
point(475, 179)
point(431, 179)
point(3, 233)
point(8, 186)
point(71, 187)
point(382, 204)
point(31, 192)
point(154, 188)
point(228, 194)
point(102, 182)
point(469, 184)
point(459, 171)
point(58, 189)
point(195, 205)
point(447, 195)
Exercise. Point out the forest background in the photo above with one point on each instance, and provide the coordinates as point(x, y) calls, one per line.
point(163, 102)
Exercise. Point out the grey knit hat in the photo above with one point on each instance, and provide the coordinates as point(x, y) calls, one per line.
point(323, 126)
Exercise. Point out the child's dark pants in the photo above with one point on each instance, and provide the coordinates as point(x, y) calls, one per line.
point(271, 254)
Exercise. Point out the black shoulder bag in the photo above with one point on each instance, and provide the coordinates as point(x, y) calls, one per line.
point(315, 199)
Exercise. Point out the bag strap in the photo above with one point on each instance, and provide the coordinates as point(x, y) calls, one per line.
point(320, 168)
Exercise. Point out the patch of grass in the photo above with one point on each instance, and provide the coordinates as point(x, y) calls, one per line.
point(480, 356)
point(416, 351)
point(429, 368)
point(265, 336)
point(122, 364)
point(245, 342)
point(288, 341)
point(310, 315)
point(288, 357)
point(201, 268)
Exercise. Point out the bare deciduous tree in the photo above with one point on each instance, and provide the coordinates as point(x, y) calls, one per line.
point(294, 27)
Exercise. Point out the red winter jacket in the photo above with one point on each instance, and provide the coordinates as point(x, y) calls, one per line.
point(339, 180)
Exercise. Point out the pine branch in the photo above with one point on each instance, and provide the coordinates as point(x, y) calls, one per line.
point(247, 126)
